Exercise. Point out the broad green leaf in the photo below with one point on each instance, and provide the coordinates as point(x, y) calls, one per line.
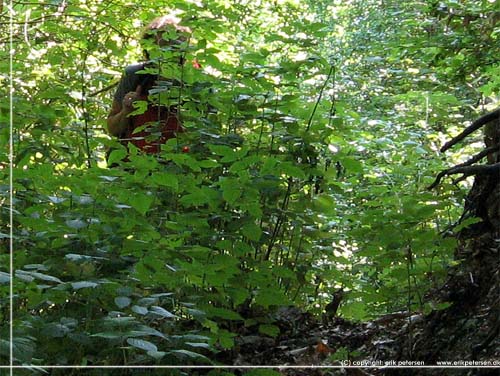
point(237, 294)
point(23, 347)
point(162, 312)
point(4, 277)
point(24, 276)
point(196, 313)
point(37, 275)
point(200, 345)
point(191, 338)
point(185, 160)
point(207, 163)
point(284, 272)
point(352, 165)
point(324, 203)
point(139, 310)
point(196, 198)
point(143, 330)
point(268, 168)
point(76, 257)
point(142, 344)
point(56, 200)
point(116, 156)
point(231, 190)
point(431, 306)
point(252, 231)
point(122, 301)
point(222, 313)
point(271, 297)
point(83, 284)
point(139, 108)
point(55, 330)
point(270, 330)
point(141, 202)
point(76, 224)
point(161, 295)
point(166, 180)
point(108, 178)
point(189, 354)
point(222, 150)
point(291, 170)
point(147, 301)
point(226, 339)
point(156, 354)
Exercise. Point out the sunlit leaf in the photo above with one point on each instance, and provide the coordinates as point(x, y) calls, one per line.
point(108, 178)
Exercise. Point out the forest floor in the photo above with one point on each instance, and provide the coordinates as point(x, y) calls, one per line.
point(467, 331)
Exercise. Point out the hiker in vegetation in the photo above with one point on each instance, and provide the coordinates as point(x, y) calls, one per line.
point(158, 123)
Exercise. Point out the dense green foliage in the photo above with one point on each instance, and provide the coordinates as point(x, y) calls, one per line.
point(312, 131)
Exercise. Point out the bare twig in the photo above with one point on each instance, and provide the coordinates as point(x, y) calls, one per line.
point(280, 220)
point(330, 73)
point(107, 88)
point(474, 159)
point(491, 169)
point(485, 119)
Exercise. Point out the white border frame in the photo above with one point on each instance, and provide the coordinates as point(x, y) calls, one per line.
point(11, 187)
point(11, 365)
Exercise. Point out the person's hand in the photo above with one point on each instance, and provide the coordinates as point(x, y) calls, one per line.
point(130, 98)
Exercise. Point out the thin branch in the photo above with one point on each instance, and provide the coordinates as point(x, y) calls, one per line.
point(481, 155)
point(485, 119)
point(31, 22)
point(107, 88)
point(491, 169)
point(332, 68)
point(84, 109)
point(280, 219)
point(474, 159)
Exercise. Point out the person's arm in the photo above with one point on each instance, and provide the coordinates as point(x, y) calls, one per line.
point(118, 119)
